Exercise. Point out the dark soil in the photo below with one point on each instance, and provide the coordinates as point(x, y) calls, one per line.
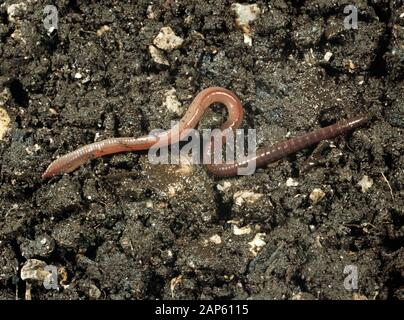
point(120, 228)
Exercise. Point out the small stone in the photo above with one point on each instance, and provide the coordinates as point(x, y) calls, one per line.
point(149, 203)
point(247, 197)
point(16, 10)
point(33, 269)
point(172, 103)
point(86, 79)
point(365, 183)
point(349, 64)
point(215, 239)
point(158, 56)
point(78, 75)
point(247, 39)
point(245, 14)
point(257, 243)
point(4, 123)
point(241, 231)
point(5, 96)
point(173, 283)
point(102, 30)
point(327, 56)
point(188, 20)
point(290, 182)
point(150, 13)
point(223, 187)
point(167, 40)
point(94, 292)
point(317, 195)
point(17, 36)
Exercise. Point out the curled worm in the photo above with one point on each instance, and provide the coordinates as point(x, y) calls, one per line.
point(202, 101)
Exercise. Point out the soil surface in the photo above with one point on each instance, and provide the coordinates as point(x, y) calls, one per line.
point(121, 228)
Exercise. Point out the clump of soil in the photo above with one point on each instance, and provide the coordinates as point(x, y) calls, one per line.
point(121, 228)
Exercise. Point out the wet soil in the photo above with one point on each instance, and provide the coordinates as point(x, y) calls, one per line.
point(120, 228)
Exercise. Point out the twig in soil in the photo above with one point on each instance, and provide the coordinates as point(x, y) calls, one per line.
point(388, 183)
point(86, 31)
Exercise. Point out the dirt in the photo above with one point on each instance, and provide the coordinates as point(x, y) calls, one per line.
point(121, 228)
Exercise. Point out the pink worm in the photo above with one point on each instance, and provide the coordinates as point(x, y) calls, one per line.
point(202, 101)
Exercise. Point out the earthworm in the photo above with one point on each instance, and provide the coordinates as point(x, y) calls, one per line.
point(202, 101)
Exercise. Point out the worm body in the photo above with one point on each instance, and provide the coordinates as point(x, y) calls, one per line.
point(202, 101)
point(282, 149)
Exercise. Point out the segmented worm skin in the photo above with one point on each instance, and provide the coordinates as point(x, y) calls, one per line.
point(282, 149)
point(202, 101)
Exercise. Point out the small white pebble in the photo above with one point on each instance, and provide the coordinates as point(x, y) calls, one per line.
point(247, 197)
point(257, 243)
point(248, 39)
point(240, 231)
point(223, 187)
point(150, 13)
point(78, 75)
point(171, 102)
point(4, 122)
point(158, 56)
point(290, 182)
point(328, 56)
point(167, 40)
point(215, 239)
point(245, 14)
point(365, 183)
point(351, 65)
point(102, 30)
point(149, 203)
point(15, 10)
point(317, 195)
point(33, 269)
